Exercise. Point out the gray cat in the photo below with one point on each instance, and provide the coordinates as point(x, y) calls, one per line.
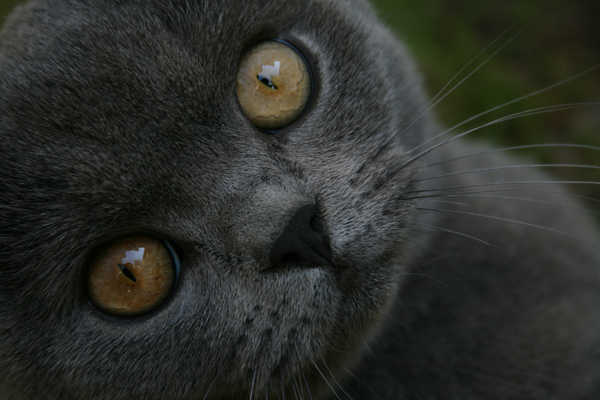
point(181, 219)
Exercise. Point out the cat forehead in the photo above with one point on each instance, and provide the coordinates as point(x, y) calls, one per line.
point(134, 51)
point(65, 31)
point(211, 26)
point(210, 15)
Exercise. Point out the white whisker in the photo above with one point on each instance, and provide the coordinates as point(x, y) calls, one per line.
point(506, 104)
point(252, 385)
point(500, 219)
point(331, 387)
point(506, 167)
point(507, 183)
point(511, 148)
point(440, 96)
point(453, 232)
point(521, 114)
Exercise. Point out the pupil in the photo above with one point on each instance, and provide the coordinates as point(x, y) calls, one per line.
point(127, 272)
point(266, 81)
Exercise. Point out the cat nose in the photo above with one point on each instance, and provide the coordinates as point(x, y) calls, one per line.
point(302, 242)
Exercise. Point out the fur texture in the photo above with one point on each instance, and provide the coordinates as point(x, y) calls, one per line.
point(119, 117)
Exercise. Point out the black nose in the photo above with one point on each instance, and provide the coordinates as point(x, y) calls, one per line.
point(302, 242)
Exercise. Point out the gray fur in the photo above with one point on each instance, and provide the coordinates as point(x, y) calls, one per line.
point(120, 116)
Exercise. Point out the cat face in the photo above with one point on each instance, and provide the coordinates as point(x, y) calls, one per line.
point(122, 119)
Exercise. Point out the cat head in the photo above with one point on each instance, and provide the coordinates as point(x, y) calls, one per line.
point(121, 118)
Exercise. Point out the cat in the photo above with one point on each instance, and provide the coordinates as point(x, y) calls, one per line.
point(353, 249)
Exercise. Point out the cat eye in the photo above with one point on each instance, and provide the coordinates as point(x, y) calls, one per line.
point(132, 276)
point(273, 84)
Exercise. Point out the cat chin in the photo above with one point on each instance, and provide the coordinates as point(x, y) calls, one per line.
point(314, 335)
point(343, 350)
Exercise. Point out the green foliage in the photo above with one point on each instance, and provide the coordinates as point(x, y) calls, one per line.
point(554, 40)
point(6, 6)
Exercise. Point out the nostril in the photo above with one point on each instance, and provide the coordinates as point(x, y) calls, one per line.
point(316, 223)
point(302, 241)
point(291, 258)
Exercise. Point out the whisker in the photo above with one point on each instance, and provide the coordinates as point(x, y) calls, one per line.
point(453, 232)
point(440, 96)
point(252, 385)
point(506, 167)
point(210, 386)
point(302, 374)
point(445, 92)
point(380, 182)
point(524, 199)
point(335, 381)
point(359, 380)
point(500, 219)
point(506, 104)
point(535, 111)
point(429, 277)
point(473, 192)
point(507, 183)
point(282, 388)
point(511, 148)
point(509, 117)
point(589, 198)
point(331, 387)
point(296, 386)
point(471, 62)
point(454, 203)
point(306, 385)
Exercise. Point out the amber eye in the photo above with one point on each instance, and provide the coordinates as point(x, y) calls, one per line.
point(273, 85)
point(132, 276)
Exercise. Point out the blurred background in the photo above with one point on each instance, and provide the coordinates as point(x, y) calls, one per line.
point(557, 39)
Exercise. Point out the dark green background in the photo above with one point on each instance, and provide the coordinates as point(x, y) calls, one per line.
point(557, 40)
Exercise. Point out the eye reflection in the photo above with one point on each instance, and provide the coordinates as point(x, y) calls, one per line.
point(267, 73)
point(132, 276)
